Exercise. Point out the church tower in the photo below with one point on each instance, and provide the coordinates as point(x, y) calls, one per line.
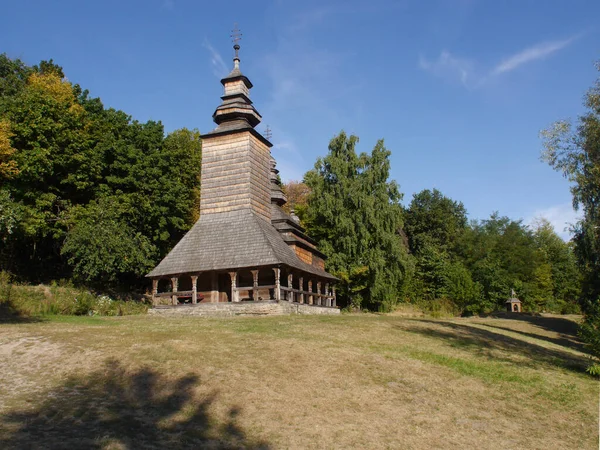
point(244, 246)
point(235, 157)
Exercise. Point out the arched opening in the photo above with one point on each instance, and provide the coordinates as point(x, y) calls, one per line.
point(516, 308)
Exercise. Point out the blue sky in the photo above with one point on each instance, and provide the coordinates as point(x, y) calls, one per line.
point(458, 89)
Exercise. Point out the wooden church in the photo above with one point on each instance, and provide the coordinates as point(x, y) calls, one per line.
point(244, 246)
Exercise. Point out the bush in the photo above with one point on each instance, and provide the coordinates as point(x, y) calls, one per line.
point(561, 307)
point(440, 307)
point(589, 331)
point(60, 299)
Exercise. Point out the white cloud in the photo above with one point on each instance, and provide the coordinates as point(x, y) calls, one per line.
point(449, 66)
point(559, 216)
point(453, 68)
point(538, 51)
point(217, 64)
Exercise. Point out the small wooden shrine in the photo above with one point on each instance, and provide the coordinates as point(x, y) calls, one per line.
point(513, 304)
point(244, 247)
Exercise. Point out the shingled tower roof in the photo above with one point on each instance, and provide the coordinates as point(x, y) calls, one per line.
point(241, 222)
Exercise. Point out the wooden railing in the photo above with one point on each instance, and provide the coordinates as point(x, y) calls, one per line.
point(284, 290)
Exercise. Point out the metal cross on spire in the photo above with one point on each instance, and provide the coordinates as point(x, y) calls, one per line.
point(236, 36)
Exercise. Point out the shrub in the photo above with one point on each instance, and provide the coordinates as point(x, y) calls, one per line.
point(60, 298)
point(589, 331)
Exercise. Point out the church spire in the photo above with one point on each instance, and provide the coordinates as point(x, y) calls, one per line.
point(236, 36)
point(236, 111)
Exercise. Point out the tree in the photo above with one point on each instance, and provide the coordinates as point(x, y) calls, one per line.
point(103, 247)
point(8, 166)
point(575, 151)
point(434, 224)
point(559, 256)
point(82, 167)
point(501, 255)
point(297, 194)
point(354, 213)
point(434, 218)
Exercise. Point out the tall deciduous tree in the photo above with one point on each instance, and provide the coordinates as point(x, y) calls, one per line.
point(355, 215)
point(435, 219)
point(575, 151)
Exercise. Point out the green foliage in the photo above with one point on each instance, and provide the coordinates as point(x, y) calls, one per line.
point(102, 244)
point(88, 175)
point(434, 219)
point(59, 299)
point(575, 151)
point(589, 332)
point(354, 213)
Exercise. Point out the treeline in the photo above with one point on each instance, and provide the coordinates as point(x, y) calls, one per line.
point(427, 253)
point(89, 194)
point(86, 192)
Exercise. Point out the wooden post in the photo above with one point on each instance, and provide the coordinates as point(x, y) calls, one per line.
point(174, 283)
point(214, 286)
point(334, 298)
point(235, 297)
point(301, 285)
point(290, 286)
point(310, 296)
point(194, 289)
point(327, 294)
point(319, 292)
point(154, 290)
point(277, 271)
point(254, 285)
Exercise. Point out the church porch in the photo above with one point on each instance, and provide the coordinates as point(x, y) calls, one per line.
point(244, 285)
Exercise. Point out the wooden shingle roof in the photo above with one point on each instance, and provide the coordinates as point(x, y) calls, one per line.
point(228, 241)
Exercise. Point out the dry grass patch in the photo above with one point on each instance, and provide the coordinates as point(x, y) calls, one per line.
point(367, 381)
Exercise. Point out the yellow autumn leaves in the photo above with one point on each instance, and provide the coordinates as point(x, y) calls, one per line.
point(47, 85)
point(8, 167)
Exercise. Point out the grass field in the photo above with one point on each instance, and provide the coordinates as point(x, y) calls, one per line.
point(352, 381)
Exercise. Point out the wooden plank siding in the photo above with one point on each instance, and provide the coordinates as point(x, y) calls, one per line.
point(235, 175)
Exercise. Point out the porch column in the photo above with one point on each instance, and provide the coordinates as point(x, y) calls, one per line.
point(310, 296)
point(154, 290)
point(254, 285)
point(301, 285)
point(334, 297)
point(194, 289)
point(290, 286)
point(235, 296)
point(214, 288)
point(327, 299)
point(277, 271)
point(319, 299)
point(174, 284)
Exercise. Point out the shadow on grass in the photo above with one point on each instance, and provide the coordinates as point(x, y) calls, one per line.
point(566, 328)
point(485, 342)
point(114, 409)
point(8, 314)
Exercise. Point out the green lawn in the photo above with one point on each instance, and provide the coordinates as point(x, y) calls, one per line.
point(368, 381)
